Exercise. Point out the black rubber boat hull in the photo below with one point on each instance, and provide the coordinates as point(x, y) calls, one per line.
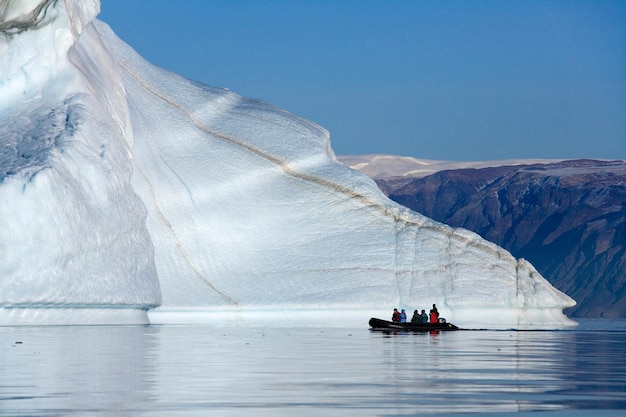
point(379, 324)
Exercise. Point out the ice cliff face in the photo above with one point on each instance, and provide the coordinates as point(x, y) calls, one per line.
point(124, 187)
point(72, 229)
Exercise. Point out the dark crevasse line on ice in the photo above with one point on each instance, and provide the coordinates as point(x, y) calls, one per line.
point(350, 193)
point(181, 248)
point(29, 21)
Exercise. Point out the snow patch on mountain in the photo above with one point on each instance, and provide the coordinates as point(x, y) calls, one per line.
point(387, 166)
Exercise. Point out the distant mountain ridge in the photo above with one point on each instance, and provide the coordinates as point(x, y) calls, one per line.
point(568, 218)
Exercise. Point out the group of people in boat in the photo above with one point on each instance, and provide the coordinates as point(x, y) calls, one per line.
point(418, 318)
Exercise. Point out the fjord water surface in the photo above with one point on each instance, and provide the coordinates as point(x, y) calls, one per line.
point(311, 371)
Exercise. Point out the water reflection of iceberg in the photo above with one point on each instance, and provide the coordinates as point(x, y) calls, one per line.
point(77, 369)
point(270, 371)
point(503, 371)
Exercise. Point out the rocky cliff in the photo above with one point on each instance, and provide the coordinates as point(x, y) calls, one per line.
point(567, 218)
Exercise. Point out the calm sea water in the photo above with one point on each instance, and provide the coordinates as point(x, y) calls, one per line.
point(311, 371)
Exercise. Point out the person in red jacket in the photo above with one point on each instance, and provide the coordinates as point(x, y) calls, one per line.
point(434, 314)
point(396, 316)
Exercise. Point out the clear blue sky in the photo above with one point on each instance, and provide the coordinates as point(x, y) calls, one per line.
point(447, 80)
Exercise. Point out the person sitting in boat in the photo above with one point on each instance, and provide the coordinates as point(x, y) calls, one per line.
point(434, 315)
point(395, 317)
point(402, 316)
point(417, 318)
point(423, 317)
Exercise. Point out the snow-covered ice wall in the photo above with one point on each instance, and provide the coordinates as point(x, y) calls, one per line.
point(126, 187)
point(72, 229)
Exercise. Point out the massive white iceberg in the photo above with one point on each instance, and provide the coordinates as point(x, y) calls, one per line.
point(129, 194)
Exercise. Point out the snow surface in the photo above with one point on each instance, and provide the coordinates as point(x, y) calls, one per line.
point(386, 166)
point(126, 187)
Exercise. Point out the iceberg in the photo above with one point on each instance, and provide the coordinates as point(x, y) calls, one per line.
point(132, 195)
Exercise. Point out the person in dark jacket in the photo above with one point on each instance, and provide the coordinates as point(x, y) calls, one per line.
point(417, 318)
point(423, 317)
